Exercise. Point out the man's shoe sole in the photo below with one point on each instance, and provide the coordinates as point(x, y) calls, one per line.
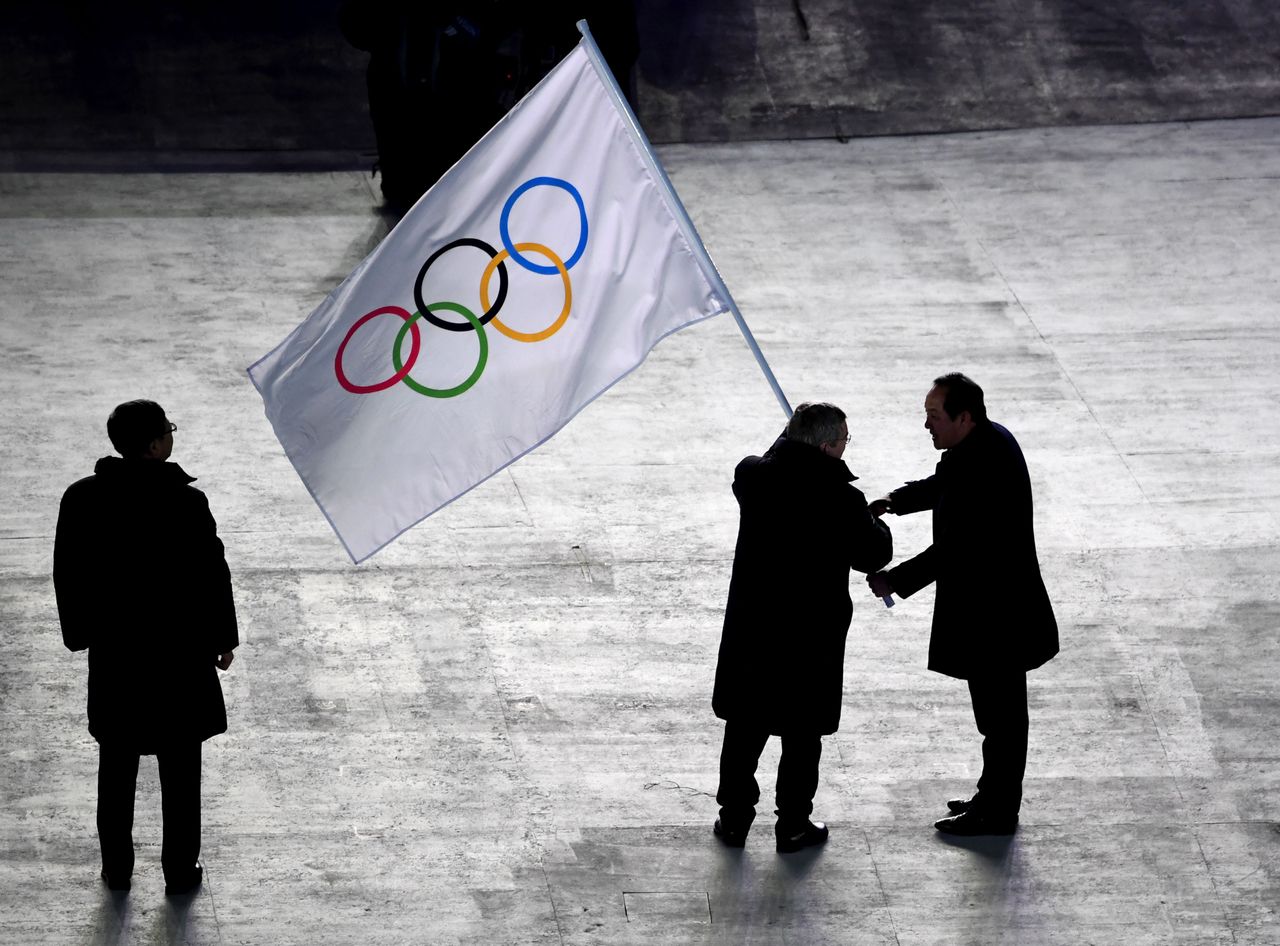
point(729, 838)
point(969, 827)
point(807, 838)
point(116, 887)
point(190, 885)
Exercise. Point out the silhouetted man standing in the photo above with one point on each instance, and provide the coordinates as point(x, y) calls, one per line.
point(141, 582)
point(803, 526)
point(992, 621)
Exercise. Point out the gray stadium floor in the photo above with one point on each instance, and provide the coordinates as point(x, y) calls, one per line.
point(498, 730)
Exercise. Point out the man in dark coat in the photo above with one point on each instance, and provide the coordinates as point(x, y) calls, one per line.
point(141, 582)
point(992, 620)
point(780, 672)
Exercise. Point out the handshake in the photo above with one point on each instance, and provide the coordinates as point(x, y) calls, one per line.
point(879, 581)
point(880, 586)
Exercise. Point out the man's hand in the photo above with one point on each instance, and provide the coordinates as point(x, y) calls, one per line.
point(879, 507)
point(224, 660)
point(880, 584)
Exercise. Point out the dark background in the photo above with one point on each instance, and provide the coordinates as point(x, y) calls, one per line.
point(273, 84)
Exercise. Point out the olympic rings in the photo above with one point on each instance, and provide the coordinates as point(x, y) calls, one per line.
point(489, 313)
point(505, 232)
point(400, 373)
point(473, 322)
point(568, 294)
point(439, 392)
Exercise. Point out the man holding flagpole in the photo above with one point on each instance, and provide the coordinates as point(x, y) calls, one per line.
point(803, 526)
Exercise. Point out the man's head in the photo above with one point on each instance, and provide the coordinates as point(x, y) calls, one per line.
point(139, 429)
point(820, 425)
point(952, 408)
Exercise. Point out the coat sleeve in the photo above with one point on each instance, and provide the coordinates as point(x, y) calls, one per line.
point(872, 542)
point(220, 613)
point(914, 573)
point(915, 496)
point(73, 572)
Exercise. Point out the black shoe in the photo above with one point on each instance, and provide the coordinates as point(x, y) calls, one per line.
point(813, 832)
point(183, 885)
point(732, 837)
point(958, 806)
point(115, 884)
point(972, 824)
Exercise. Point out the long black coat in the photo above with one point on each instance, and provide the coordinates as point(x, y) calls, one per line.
point(803, 525)
point(141, 581)
point(991, 611)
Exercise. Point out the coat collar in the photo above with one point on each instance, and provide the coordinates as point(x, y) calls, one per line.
point(972, 444)
point(122, 470)
point(802, 454)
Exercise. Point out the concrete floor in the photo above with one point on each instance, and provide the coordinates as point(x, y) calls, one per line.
point(498, 730)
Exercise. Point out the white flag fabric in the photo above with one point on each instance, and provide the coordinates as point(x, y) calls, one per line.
point(537, 272)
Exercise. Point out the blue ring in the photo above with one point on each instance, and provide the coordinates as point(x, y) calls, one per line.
point(505, 232)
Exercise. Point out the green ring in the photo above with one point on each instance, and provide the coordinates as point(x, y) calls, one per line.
point(475, 375)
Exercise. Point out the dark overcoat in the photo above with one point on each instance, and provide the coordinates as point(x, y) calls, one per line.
point(991, 612)
point(141, 581)
point(802, 526)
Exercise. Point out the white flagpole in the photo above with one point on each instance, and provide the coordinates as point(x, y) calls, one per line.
point(682, 216)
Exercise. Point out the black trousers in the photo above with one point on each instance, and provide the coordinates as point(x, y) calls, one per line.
point(1000, 710)
point(179, 802)
point(797, 775)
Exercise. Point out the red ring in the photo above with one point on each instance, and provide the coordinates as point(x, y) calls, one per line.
point(399, 375)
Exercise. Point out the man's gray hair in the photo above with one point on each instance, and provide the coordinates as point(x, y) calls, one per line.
point(816, 423)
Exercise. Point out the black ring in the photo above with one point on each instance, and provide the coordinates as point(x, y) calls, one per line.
point(488, 313)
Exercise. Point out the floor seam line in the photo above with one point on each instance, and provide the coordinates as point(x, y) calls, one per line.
point(875, 869)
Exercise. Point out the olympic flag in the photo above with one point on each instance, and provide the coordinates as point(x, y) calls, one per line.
point(537, 272)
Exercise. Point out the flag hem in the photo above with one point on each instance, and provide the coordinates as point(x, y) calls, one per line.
point(310, 492)
point(641, 140)
point(674, 204)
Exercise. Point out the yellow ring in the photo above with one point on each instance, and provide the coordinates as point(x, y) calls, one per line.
point(568, 293)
